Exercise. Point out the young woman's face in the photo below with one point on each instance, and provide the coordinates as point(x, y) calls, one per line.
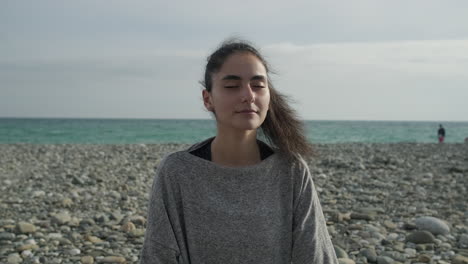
point(240, 95)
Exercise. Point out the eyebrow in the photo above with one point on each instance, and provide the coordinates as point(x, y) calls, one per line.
point(235, 77)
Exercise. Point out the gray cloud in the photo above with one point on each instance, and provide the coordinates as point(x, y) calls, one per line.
point(360, 59)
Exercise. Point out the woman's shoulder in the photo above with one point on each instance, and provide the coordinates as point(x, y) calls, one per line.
point(171, 160)
point(181, 158)
point(295, 161)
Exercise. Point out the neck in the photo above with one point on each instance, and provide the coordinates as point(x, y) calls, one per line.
point(235, 149)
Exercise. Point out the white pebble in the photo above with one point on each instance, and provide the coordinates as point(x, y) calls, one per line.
point(54, 235)
point(38, 193)
point(26, 253)
point(74, 251)
point(392, 236)
point(31, 242)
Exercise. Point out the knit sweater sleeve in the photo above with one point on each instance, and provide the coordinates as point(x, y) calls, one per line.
point(311, 241)
point(160, 244)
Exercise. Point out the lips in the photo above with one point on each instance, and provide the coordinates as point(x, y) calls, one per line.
point(247, 111)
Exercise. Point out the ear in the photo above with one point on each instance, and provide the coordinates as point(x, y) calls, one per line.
point(207, 100)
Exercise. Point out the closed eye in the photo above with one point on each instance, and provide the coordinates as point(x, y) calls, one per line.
point(231, 86)
point(257, 84)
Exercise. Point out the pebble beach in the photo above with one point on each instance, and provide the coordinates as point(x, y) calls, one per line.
point(384, 203)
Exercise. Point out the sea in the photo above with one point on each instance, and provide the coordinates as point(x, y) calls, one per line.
point(147, 131)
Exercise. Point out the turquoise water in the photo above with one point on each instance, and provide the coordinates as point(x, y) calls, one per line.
point(123, 131)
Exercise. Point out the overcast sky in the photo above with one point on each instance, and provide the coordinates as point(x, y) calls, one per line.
point(339, 60)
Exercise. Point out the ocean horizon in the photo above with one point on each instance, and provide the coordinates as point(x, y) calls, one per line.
point(142, 130)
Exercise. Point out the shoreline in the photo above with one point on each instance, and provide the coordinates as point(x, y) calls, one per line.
point(90, 200)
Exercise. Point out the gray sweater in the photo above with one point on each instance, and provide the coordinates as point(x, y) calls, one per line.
point(201, 212)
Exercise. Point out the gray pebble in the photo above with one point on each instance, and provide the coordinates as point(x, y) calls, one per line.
point(14, 258)
point(384, 260)
point(7, 236)
point(420, 237)
point(433, 225)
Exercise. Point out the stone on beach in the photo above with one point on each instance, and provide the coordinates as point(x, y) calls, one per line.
point(463, 241)
point(433, 225)
point(27, 247)
point(74, 251)
point(361, 216)
point(67, 202)
point(346, 261)
point(424, 258)
point(337, 217)
point(7, 236)
point(93, 239)
point(112, 259)
point(390, 225)
point(14, 258)
point(138, 220)
point(460, 260)
point(26, 228)
point(61, 218)
point(139, 232)
point(370, 254)
point(87, 260)
point(128, 227)
point(421, 237)
point(385, 260)
point(340, 253)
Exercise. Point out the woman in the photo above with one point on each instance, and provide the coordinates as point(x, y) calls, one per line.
point(233, 198)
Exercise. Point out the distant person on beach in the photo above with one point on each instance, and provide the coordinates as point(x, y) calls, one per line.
point(441, 134)
point(234, 198)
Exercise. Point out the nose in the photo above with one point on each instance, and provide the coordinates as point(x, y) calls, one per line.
point(247, 93)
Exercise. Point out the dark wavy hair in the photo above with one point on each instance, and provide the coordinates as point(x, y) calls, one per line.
point(282, 128)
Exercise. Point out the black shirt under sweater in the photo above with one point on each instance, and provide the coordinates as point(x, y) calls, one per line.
point(204, 152)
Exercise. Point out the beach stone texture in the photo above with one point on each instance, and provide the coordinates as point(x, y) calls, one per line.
point(383, 203)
